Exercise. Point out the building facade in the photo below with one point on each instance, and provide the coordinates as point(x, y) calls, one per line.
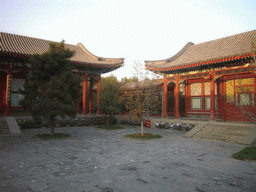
point(214, 80)
point(15, 50)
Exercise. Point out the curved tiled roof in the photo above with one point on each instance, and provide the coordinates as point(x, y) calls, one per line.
point(26, 46)
point(228, 48)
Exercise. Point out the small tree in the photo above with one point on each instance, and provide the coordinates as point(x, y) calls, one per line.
point(52, 88)
point(141, 98)
point(109, 94)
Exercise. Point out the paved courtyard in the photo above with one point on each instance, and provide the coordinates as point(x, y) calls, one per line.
point(99, 160)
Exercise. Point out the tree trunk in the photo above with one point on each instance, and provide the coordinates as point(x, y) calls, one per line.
point(52, 131)
point(52, 124)
point(107, 122)
point(141, 128)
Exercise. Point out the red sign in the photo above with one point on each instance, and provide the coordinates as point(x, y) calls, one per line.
point(148, 123)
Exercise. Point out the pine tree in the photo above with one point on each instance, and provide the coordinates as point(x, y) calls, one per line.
point(52, 88)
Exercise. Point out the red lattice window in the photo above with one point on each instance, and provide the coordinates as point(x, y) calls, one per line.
point(240, 91)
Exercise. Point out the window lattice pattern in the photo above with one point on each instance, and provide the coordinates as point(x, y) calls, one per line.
point(244, 89)
point(207, 88)
point(208, 103)
point(195, 89)
point(16, 84)
point(247, 81)
point(230, 91)
point(196, 103)
point(15, 99)
point(244, 99)
point(182, 89)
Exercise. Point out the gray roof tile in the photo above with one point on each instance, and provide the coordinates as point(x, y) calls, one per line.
point(26, 46)
point(211, 51)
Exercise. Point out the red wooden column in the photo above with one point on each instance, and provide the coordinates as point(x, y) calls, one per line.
point(165, 97)
point(98, 94)
point(84, 94)
point(90, 96)
point(8, 91)
point(212, 96)
point(221, 94)
point(186, 98)
point(177, 98)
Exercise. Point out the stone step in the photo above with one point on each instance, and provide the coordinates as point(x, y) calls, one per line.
point(5, 133)
point(4, 130)
point(212, 138)
point(4, 127)
point(234, 140)
point(235, 133)
point(225, 131)
point(244, 128)
point(239, 134)
point(228, 130)
point(219, 135)
point(230, 137)
point(232, 133)
point(204, 131)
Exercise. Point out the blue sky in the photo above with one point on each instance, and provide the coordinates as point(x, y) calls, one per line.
point(134, 30)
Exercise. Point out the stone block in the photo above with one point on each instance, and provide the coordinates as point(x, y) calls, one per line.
point(12, 125)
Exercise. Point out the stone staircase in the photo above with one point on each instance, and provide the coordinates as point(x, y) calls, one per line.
point(228, 132)
point(4, 130)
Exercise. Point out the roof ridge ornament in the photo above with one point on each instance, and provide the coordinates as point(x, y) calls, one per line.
point(180, 52)
point(88, 52)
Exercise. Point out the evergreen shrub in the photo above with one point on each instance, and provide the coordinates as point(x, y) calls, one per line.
point(248, 153)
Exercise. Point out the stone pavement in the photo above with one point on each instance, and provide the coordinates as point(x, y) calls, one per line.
point(98, 160)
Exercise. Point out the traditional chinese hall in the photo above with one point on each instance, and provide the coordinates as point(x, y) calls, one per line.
point(15, 50)
point(214, 80)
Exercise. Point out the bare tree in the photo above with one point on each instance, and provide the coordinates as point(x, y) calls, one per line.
point(141, 97)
